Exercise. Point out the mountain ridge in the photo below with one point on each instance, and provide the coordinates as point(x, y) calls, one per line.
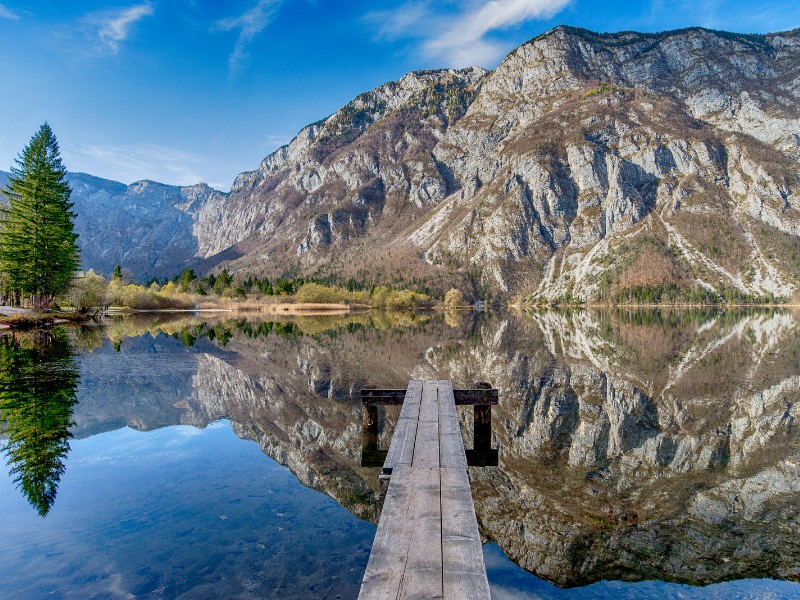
point(148, 227)
point(586, 167)
point(522, 92)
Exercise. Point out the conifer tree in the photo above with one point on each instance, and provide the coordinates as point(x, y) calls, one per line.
point(38, 250)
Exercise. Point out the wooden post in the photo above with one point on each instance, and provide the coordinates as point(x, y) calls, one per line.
point(371, 454)
point(482, 453)
point(482, 423)
point(482, 428)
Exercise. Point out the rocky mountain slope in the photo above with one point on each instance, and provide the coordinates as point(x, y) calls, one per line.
point(148, 227)
point(587, 166)
point(583, 166)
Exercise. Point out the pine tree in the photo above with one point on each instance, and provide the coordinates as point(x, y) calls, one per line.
point(38, 250)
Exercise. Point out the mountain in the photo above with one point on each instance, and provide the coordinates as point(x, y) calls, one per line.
point(587, 166)
point(583, 166)
point(150, 228)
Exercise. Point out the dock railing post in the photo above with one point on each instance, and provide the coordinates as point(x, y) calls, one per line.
point(482, 422)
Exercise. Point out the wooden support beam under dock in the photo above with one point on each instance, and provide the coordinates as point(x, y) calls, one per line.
point(427, 544)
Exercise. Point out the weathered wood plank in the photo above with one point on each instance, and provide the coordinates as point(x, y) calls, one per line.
point(467, 397)
point(464, 572)
point(426, 446)
point(401, 448)
point(423, 574)
point(451, 444)
point(387, 561)
point(406, 557)
point(373, 397)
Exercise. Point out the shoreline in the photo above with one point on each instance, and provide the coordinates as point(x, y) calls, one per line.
point(16, 318)
point(652, 306)
point(278, 308)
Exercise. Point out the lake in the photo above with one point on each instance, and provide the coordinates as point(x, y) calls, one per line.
point(641, 454)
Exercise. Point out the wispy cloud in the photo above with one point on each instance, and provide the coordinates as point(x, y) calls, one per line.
point(461, 38)
point(249, 24)
point(134, 162)
point(114, 27)
point(6, 13)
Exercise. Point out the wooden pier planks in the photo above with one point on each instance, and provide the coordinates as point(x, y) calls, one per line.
point(401, 448)
point(427, 545)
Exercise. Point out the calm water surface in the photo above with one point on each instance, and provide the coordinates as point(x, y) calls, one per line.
point(641, 454)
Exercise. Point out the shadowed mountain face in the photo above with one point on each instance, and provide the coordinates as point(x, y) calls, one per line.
point(632, 445)
point(147, 227)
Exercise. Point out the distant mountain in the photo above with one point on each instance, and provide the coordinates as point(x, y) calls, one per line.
point(147, 227)
point(586, 166)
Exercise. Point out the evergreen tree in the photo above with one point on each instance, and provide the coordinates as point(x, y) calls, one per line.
point(38, 250)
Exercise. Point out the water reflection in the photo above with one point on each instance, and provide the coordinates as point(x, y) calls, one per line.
point(652, 445)
point(38, 382)
point(633, 445)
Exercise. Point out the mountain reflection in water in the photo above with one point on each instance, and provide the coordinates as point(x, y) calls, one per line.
point(633, 445)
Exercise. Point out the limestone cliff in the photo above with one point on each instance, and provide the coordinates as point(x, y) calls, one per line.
point(586, 166)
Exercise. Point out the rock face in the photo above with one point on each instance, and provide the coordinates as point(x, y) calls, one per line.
point(150, 228)
point(586, 165)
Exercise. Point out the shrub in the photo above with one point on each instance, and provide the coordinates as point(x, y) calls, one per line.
point(88, 290)
point(453, 298)
point(319, 294)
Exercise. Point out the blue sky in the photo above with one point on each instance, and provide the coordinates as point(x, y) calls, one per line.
point(182, 91)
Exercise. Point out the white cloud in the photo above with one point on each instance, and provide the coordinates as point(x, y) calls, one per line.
point(460, 39)
point(249, 24)
point(114, 28)
point(132, 162)
point(6, 13)
point(407, 20)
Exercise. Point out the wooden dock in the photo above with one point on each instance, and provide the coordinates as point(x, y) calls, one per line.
point(427, 544)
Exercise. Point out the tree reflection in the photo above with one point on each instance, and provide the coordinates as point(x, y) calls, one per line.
point(38, 383)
